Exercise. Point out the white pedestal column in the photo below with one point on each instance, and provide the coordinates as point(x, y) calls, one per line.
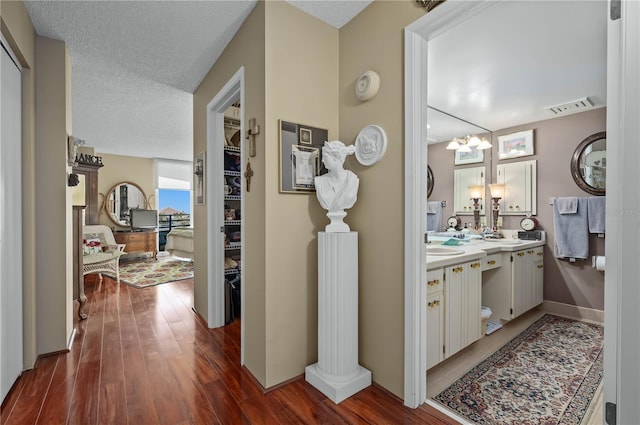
point(337, 373)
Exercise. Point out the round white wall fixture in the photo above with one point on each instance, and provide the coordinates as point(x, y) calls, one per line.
point(371, 145)
point(367, 85)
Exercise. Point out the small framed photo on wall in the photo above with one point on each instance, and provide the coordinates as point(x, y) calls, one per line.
point(515, 145)
point(306, 136)
point(476, 155)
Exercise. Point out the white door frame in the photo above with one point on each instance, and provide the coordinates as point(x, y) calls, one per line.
point(229, 94)
point(622, 293)
point(439, 20)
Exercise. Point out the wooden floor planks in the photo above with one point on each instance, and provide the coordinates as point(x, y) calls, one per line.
point(142, 357)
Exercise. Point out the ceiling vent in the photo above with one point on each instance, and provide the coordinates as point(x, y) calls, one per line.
point(571, 107)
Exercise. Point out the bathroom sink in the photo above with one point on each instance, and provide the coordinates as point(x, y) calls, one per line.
point(505, 241)
point(442, 250)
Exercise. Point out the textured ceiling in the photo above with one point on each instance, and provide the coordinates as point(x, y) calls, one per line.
point(135, 64)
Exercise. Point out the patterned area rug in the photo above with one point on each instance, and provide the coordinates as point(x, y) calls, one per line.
point(546, 375)
point(149, 272)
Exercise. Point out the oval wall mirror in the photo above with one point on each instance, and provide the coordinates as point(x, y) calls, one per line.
point(429, 181)
point(589, 164)
point(121, 198)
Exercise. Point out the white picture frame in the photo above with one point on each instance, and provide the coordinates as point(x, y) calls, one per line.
point(515, 145)
point(473, 157)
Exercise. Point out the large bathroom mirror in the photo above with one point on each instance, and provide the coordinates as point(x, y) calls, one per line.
point(121, 198)
point(454, 179)
point(589, 164)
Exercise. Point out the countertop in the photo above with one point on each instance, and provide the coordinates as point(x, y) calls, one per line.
point(476, 249)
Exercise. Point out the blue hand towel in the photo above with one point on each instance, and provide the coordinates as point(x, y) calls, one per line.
point(571, 231)
point(596, 206)
point(434, 215)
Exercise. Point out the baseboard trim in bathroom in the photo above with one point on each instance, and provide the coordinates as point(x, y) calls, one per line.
point(574, 312)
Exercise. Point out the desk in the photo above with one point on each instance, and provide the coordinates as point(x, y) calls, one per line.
point(138, 241)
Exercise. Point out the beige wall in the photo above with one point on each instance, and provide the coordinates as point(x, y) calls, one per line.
point(282, 49)
point(19, 32)
point(374, 40)
point(246, 49)
point(53, 198)
point(120, 168)
point(301, 87)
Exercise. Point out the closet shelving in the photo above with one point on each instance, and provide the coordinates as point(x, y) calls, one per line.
point(233, 212)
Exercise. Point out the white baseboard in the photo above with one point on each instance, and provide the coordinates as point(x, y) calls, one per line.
point(574, 312)
point(71, 338)
point(449, 413)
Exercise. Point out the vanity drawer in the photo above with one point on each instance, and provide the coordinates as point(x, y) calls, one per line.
point(492, 261)
point(435, 278)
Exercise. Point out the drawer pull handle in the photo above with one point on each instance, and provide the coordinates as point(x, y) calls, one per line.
point(433, 303)
point(433, 282)
point(530, 251)
point(520, 254)
point(475, 265)
point(540, 253)
point(457, 269)
point(491, 262)
point(540, 266)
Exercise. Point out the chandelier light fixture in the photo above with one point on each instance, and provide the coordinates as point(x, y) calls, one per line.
point(465, 144)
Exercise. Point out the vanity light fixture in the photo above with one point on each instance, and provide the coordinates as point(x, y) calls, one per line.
point(464, 144)
point(476, 193)
point(497, 193)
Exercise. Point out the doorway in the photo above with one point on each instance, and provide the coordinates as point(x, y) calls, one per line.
point(219, 222)
point(620, 56)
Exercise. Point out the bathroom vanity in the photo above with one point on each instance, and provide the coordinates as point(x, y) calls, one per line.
point(505, 275)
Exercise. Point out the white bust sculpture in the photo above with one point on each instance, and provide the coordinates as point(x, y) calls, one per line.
point(338, 189)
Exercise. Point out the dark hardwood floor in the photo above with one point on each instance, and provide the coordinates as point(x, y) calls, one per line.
point(142, 357)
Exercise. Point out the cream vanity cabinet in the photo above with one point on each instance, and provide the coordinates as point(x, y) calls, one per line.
point(462, 179)
point(435, 317)
point(519, 179)
point(511, 291)
point(462, 293)
point(453, 309)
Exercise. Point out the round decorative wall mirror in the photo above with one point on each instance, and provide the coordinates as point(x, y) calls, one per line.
point(429, 181)
point(589, 164)
point(120, 199)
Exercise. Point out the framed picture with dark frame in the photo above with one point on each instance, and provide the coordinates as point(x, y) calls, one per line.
point(300, 156)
